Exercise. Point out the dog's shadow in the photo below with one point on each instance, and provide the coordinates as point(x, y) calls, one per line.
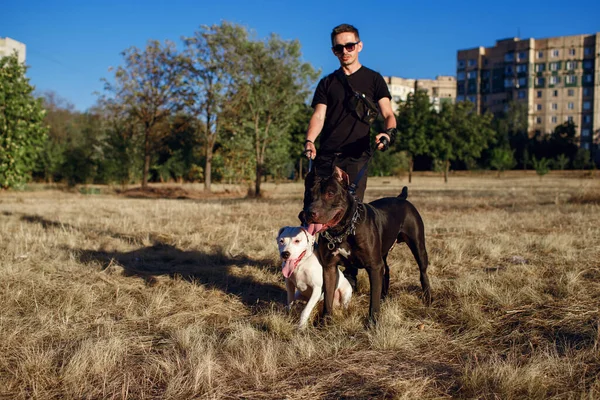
point(215, 269)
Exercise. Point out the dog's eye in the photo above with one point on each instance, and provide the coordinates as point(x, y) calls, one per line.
point(297, 241)
point(281, 241)
point(329, 194)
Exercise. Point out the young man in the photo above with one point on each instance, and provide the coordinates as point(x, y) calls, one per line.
point(344, 134)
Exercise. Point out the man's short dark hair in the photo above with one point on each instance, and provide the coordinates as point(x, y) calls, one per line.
point(343, 28)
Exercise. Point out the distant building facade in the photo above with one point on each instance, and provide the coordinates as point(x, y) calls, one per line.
point(8, 46)
point(441, 89)
point(557, 78)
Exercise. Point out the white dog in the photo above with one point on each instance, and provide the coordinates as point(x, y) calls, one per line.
point(304, 274)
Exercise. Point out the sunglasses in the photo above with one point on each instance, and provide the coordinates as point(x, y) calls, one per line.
point(339, 48)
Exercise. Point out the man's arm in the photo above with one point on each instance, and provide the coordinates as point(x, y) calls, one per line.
point(315, 126)
point(389, 122)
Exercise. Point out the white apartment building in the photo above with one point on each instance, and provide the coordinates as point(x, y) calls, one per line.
point(440, 89)
point(8, 46)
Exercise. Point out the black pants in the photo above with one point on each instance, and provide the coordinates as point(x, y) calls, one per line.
point(323, 166)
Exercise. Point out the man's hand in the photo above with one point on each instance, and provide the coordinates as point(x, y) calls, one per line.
point(310, 151)
point(382, 141)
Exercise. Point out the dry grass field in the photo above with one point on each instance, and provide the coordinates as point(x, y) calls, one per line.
point(114, 295)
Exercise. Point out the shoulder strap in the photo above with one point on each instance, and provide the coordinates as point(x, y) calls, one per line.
point(339, 73)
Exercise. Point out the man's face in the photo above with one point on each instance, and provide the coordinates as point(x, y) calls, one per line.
point(341, 43)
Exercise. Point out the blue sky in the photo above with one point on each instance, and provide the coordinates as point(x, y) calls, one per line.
point(71, 44)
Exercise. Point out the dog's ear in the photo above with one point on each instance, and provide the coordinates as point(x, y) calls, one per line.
point(341, 175)
point(311, 238)
point(281, 230)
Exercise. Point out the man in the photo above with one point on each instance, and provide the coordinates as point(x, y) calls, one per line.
point(344, 133)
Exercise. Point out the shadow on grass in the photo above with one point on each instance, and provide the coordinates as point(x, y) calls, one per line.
point(215, 269)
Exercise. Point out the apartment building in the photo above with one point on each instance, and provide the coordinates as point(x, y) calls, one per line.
point(440, 89)
point(558, 78)
point(8, 46)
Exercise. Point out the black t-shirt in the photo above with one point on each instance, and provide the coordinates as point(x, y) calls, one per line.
point(342, 131)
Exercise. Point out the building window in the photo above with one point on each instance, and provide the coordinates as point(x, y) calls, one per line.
point(588, 51)
point(571, 106)
point(508, 57)
point(539, 94)
point(460, 98)
point(587, 78)
point(508, 83)
point(554, 106)
point(472, 75)
point(571, 52)
point(553, 80)
point(555, 53)
point(554, 66)
point(587, 119)
point(587, 105)
point(586, 91)
point(485, 73)
point(508, 70)
point(571, 65)
point(538, 107)
point(522, 55)
point(460, 76)
point(521, 94)
point(586, 145)
point(554, 119)
point(570, 79)
point(538, 120)
point(585, 132)
point(472, 62)
point(587, 64)
point(473, 99)
point(540, 67)
point(555, 93)
point(569, 118)
point(522, 82)
point(460, 64)
point(540, 54)
point(521, 67)
point(571, 93)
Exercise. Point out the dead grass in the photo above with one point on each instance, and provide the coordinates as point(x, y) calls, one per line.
point(179, 295)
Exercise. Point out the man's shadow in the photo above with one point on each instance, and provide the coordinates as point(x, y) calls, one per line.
point(215, 269)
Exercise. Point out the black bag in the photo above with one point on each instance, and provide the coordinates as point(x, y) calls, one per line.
point(363, 107)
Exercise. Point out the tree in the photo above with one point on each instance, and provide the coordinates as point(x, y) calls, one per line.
point(414, 122)
point(511, 128)
point(502, 159)
point(541, 166)
point(460, 134)
point(210, 64)
point(272, 82)
point(22, 130)
point(149, 87)
point(122, 151)
point(561, 162)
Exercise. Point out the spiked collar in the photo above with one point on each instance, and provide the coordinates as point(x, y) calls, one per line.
point(350, 228)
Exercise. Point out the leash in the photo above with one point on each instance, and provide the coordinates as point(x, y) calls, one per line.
point(353, 185)
point(308, 153)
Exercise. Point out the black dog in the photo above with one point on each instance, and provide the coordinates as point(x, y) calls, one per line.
point(361, 235)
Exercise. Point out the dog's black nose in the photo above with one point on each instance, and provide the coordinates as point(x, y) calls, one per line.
point(285, 255)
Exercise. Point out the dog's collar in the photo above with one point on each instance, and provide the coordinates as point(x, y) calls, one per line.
point(336, 240)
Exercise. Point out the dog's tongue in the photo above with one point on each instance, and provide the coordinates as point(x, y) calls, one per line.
point(287, 268)
point(314, 228)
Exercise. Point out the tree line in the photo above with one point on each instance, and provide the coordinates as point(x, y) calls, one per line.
point(230, 107)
